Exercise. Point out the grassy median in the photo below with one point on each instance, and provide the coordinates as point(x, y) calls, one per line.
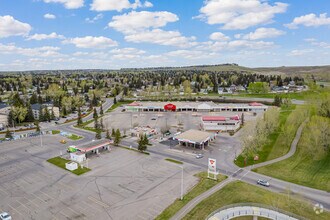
point(239, 192)
point(202, 186)
point(60, 162)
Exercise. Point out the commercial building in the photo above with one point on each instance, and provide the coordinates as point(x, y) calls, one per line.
point(80, 154)
point(220, 123)
point(194, 107)
point(194, 138)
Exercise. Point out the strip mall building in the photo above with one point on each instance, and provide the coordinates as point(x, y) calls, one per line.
point(194, 107)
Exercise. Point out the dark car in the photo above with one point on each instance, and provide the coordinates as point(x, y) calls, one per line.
point(263, 182)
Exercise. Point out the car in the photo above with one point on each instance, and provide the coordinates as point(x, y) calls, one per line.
point(5, 216)
point(263, 182)
point(153, 119)
point(64, 117)
point(199, 156)
point(56, 122)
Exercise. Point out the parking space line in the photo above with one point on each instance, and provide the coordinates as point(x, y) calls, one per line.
point(85, 212)
point(15, 210)
point(98, 202)
point(32, 202)
point(39, 198)
point(93, 207)
point(47, 195)
point(62, 213)
point(23, 205)
point(4, 192)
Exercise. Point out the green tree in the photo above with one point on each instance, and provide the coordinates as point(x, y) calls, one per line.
point(79, 121)
point(277, 101)
point(114, 100)
point(101, 110)
point(96, 124)
point(46, 114)
point(95, 115)
point(258, 87)
point(98, 134)
point(33, 99)
point(29, 115)
point(117, 137)
point(101, 124)
point(145, 139)
point(141, 144)
point(108, 134)
point(8, 134)
point(113, 133)
point(37, 127)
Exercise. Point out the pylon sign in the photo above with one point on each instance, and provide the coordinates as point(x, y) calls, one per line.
point(212, 168)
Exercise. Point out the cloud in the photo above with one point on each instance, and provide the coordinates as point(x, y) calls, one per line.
point(310, 20)
point(49, 16)
point(127, 53)
point(45, 51)
point(11, 27)
point(69, 4)
point(93, 20)
point(118, 5)
point(161, 37)
point(262, 33)
point(53, 35)
point(135, 21)
point(240, 14)
point(300, 52)
point(317, 43)
point(190, 54)
point(92, 42)
point(218, 36)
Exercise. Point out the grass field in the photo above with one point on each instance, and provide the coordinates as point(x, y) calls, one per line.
point(56, 132)
point(302, 168)
point(60, 162)
point(74, 137)
point(239, 192)
point(203, 185)
point(174, 161)
point(275, 146)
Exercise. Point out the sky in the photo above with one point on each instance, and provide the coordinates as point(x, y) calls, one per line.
point(113, 34)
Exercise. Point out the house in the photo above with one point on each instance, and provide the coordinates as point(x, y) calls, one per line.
point(224, 90)
point(50, 107)
point(4, 111)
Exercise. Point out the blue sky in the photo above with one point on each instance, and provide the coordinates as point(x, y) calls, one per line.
point(112, 34)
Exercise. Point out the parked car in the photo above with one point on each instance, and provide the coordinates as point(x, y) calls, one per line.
point(153, 119)
point(263, 182)
point(5, 216)
point(199, 156)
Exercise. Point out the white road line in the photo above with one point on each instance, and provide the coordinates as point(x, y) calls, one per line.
point(15, 210)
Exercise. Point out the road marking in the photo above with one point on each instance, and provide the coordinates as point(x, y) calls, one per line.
point(62, 213)
point(31, 201)
point(98, 202)
point(15, 210)
point(23, 205)
point(244, 174)
point(47, 195)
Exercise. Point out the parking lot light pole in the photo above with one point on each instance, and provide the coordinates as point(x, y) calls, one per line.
point(182, 182)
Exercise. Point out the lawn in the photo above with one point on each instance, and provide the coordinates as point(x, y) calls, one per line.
point(174, 161)
point(278, 143)
point(74, 137)
point(56, 132)
point(302, 168)
point(119, 103)
point(60, 162)
point(202, 186)
point(239, 192)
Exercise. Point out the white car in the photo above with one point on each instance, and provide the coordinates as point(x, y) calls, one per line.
point(199, 156)
point(5, 216)
point(263, 183)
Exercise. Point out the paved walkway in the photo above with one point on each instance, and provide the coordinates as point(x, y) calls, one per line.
point(291, 152)
point(190, 205)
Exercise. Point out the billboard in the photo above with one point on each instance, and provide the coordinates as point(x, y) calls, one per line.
point(212, 166)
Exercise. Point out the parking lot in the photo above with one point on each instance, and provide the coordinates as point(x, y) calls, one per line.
point(172, 120)
point(122, 184)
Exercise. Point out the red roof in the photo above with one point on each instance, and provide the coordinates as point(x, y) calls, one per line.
point(170, 107)
point(93, 147)
point(236, 117)
point(255, 104)
point(213, 118)
point(134, 104)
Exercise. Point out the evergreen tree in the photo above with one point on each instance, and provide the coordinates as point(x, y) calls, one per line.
point(108, 134)
point(141, 144)
point(8, 134)
point(114, 100)
point(95, 114)
point(34, 99)
point(79, 121)
point(98, 134)
point(29, 115)
point(46, 114)
point(113, 133)
point(101, 124)
point(101, 110)
point(117, 137)
point(40, 99)
point(96, 124)
point(10, 119)
point(41, 114)
point(52, 115)
point(145, 139)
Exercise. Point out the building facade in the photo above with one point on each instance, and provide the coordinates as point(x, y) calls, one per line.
point(220, 123)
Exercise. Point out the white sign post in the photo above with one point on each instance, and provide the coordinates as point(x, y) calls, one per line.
point(212, 169)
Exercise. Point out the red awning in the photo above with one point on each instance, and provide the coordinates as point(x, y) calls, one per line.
point(213, 118)
point(255, 104)
point(170, 107)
